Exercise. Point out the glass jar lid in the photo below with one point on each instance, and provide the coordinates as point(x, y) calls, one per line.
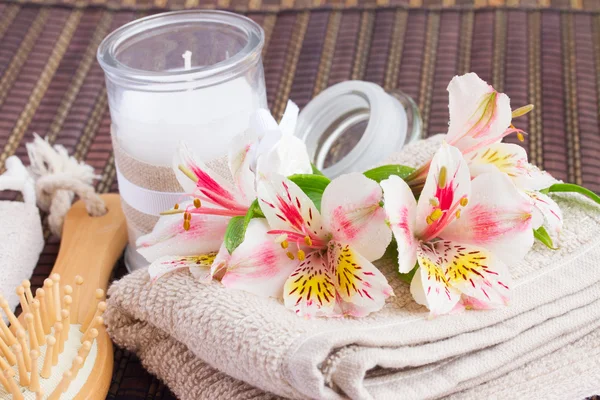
point(355, 125)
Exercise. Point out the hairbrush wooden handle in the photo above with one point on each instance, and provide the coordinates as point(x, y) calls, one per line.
point(90, 247)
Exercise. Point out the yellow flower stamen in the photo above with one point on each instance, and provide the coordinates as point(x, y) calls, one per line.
point(188, 173)
point(281, 238)
point(429, 220)
point(436, 214)
point(301, 255)
point(522, 111)
point(442, 178)
point(172, 212)
point(284, 244)
point(457, 213)
point(464, 201)
point(307, 240)
point(186, 225)
point(290, 255)
point(520, 137)
point(176, 206)
point(434, 202)
point(197, 203)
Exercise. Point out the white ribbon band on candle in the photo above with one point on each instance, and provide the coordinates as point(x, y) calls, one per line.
point(147, 201)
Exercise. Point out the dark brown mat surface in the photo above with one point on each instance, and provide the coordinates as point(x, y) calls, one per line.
point(282, 5)
point(546, 52)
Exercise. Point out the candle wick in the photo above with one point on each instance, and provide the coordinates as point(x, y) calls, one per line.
point(187, 60)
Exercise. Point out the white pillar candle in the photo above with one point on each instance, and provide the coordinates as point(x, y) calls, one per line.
point(149, 126)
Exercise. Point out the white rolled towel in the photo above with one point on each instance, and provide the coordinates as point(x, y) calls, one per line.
point(21, 237)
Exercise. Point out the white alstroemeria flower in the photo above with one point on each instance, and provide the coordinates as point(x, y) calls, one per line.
point(194, 240)
point(268, 148)
point(462, 233)
point(331, 273)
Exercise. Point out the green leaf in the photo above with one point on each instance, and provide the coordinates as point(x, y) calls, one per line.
point(316, 170)
point(571, 187)
point(236, 229)
point(312, 185)
point(234, 235)
point(542, 235)
point(380, 173)
point(254, 211)
point(409, 276)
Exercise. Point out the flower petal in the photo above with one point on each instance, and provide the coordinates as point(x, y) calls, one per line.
point(430, 287)
point(168, 236)
point(288, 156)
point(219, 265)
point(477, 111)
point(240, 159)
point(199, 180)
point(512, 160)
point(353, 215)
point(288, 208)
point(497, 218)
point(310, 290)
point(533, 178)
point(475, 272)
point(359, 284)
point(504, 157)
point(200, 264)
point(287, 125)
point(448, 181)
point(259, 265)
point(264, 127)
point(401, 209)
point(550, 212)
point(262, 121)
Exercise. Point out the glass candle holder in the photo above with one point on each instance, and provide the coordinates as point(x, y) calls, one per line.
point(193, 76)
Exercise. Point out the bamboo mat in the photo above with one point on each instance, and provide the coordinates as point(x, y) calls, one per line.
point(544, 52)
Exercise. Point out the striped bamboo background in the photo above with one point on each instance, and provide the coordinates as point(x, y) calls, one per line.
point(545, 52)
point(282, 5)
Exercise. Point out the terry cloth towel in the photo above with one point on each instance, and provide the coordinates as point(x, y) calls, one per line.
point(185, 331)
point(21, 236)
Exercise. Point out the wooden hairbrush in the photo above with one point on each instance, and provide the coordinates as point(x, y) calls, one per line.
point(58, 347)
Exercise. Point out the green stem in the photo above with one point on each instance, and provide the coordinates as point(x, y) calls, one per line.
point(572, 188)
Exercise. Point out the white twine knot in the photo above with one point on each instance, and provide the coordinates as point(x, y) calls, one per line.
point(53, 179)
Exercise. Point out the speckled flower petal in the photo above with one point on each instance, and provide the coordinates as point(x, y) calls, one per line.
point(352, 213)
point(362, 288)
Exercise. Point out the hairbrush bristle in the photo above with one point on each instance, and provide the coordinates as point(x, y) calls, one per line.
point(33, 347)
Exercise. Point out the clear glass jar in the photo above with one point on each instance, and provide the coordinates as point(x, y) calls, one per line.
point(193, 76)
point(155, 101)
point(355, 125)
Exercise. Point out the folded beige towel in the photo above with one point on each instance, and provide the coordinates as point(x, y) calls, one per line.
point(185, 331)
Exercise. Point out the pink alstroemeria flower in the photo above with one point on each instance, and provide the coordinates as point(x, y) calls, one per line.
point(189, 235)
point(511, 159)
point(329, 272)
point(479, 117)
point(462, 233)
point(194, 227)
